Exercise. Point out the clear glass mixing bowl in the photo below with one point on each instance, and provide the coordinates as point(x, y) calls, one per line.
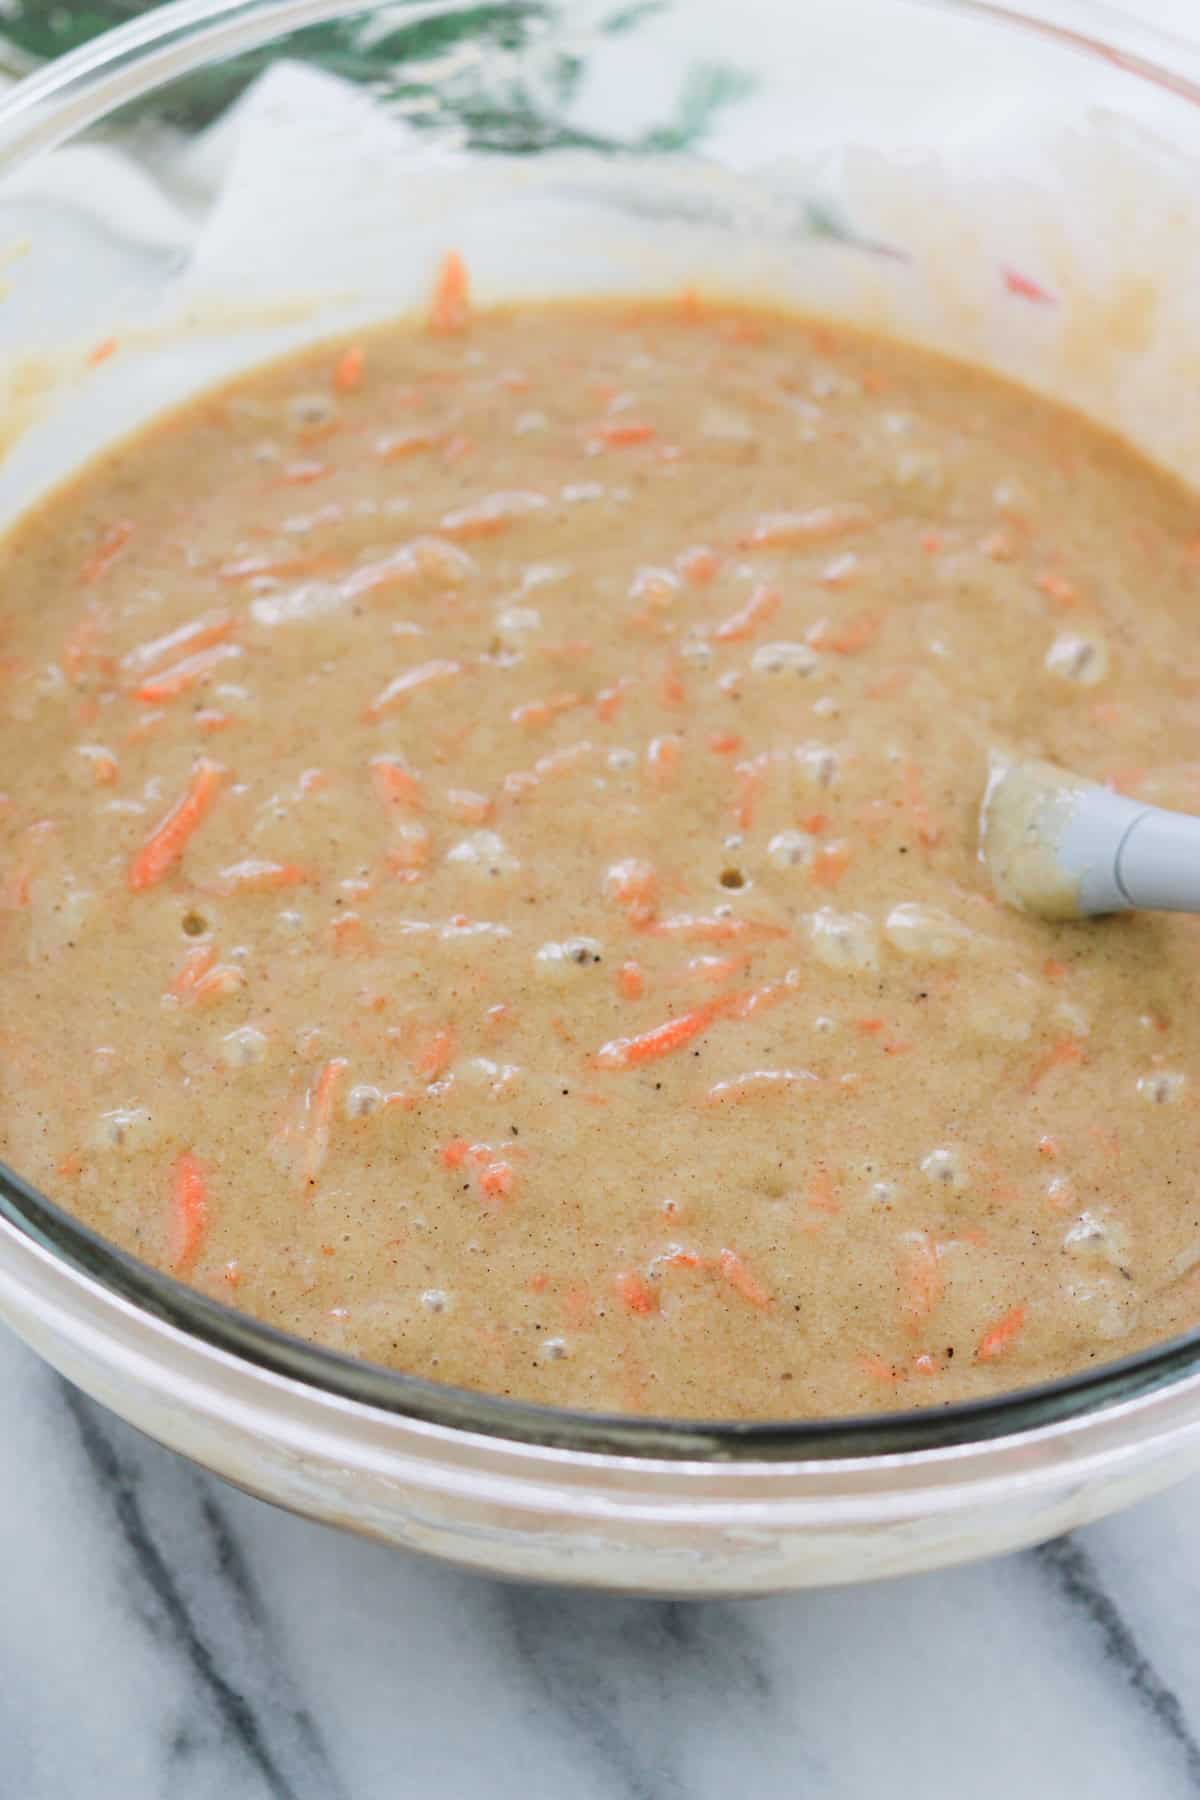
point(217, 182)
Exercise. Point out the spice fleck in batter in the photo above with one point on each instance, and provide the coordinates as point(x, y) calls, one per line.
point(489, 876)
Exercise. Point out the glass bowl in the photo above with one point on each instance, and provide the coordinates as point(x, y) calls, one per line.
point(217, 182)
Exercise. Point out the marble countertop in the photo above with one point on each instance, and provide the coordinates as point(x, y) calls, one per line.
point(163, 1637)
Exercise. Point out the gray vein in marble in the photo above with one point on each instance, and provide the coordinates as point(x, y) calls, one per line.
point(595, 1659)
point(281, 1743)
point(1076, 1575)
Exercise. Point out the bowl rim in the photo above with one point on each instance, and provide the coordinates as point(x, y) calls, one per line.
point(74, 92)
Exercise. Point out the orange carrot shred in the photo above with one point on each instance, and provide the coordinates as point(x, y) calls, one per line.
point(198, 634)
point(921, 1277)
point(450, 309)
point(635, 1296)
point(192, 969)
point(829, 865)
point(783, 530)
point(631, 983)
point(999, 1335)
point(494, 1182)
point(855, 635)
point(106, 552)
point(741, 1280)
point(761, 603)
point(698, 565)
point(395, 784)
point(928, 830)
point(182, 676)
point(433, 1059)
point(1060, 1055)
point(404, 686)
point(257, 875)
point(167, 843)
point(620, 433)
point(348, 369)
point(535, 713)
point(189, 1211)
point(820, 1194)
point(101, 351)
point(649, 1046)
point(1063, 593)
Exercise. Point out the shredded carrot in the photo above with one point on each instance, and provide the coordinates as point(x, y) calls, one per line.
point(635, 1296)
point(1025, 288)
point(857, 634)
point(698, 565)
point(304, 472)
point(189, 1211)
point(194, 966)
point(761, 604)
point(400, 445)
point(348, 369)
point(998, 1336)
point(1060, 1055)
point(649, 1046)
point(167, 843)
point(395, 784)
point(1053, 970)
point(670, 687)
point(494, 1182)
point(620, 433)
point(609, 699)
point(889, 685)
point(921, 1277)
point(633, 885)
point(695, 928)
point(932, 542)
point(879, 1370)
point(751, 778)
point(434, 1057)
point(492, 515)
point(757, 1084)
point(186, 640)
point(928, 830)
point(829, 864)
point(401, 689)
point(1063, 593)
point(101, 351)
point(725, 743)
point(820, 1192)
point(181, 677)
point(318, 1118)
point(249, 568)
point(450, 308)
point(257, 875)
point(743, 1283)
point(662, 758)
point(631, 982)
point(786, 529)
point(106, 552)
point(535, 713)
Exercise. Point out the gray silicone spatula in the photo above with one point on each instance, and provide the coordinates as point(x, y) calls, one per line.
point(1065, 848)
